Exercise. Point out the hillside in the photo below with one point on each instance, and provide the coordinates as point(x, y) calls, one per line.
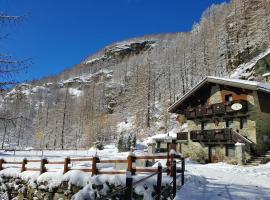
point(127, 87)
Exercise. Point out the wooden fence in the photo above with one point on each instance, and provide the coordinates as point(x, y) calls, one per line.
point(127, 191)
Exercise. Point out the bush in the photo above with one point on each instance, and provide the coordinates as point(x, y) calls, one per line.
point(196, 153)
point(99, 145)
point(265, 160)
point(232, 161)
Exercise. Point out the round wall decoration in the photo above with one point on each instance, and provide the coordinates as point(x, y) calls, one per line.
point(237, 106)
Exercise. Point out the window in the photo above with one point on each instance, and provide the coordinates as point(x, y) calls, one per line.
point(230, 151)
point(229, 123)
point(228, 98)
point(158, 145)
point(205, 125)
point(202, 125)
point(243, 122)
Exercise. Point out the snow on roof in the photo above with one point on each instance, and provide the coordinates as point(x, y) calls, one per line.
point(158, 137)
point(266, 74)
point(251, 85)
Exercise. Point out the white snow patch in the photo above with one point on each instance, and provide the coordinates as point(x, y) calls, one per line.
point(224, 181)
point(245, 70)
point(75, 92)
point(125, 125)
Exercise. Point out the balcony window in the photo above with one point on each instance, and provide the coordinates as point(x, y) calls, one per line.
point(243, 122)
point(205, 125)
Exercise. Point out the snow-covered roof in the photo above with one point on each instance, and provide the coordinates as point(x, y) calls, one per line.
point(266, 74)
point(250, 85)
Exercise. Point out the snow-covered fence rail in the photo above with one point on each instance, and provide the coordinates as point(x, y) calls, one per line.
point(93, 162)
point(97, 166)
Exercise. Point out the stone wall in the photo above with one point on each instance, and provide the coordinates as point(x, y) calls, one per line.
point(262, 128)
point(72, 185)
point(17, 188)
point(216, 96)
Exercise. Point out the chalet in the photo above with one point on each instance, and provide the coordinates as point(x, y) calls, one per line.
point(221, 112)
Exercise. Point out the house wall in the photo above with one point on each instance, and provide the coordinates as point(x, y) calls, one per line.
point(263, 127)
point(218, 96)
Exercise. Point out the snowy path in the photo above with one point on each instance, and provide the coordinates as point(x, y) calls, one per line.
point(222, 181)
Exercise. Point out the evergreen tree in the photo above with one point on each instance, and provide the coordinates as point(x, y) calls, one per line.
point(120, 143)
point(129, 142)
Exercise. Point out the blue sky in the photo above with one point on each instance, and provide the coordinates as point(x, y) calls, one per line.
point(60, 33)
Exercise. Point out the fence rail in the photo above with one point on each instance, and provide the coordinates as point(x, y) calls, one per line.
point(127, 191)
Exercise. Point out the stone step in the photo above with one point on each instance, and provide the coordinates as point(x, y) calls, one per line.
point(260, 157)
point(254, 162)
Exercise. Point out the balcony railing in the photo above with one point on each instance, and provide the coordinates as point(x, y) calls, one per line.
point(214, 109)
point(225, 135)
point(211, 135)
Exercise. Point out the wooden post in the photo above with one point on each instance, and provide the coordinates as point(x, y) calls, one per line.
point(171, 163)
point(159, 181)
point(2, 161)
point(94, 165)
point(174, 177)
point(66, 162)
point(130, 160)
point(42, 165)
point(210, 154)
point(129, 186)
point(24, 162)
point(168, 160)
point(183, 171)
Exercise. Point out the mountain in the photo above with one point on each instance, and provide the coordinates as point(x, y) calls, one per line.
point(126, 88)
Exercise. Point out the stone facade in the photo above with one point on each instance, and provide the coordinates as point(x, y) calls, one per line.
point(249, 131)
point(257, 128)
point(262, 127)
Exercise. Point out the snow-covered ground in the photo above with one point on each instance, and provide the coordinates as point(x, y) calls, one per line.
point(222, 181)
point(210, 181)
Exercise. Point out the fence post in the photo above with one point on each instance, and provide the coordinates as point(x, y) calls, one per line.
point(94, 165)
point(168, 160)
point(2, 161)
point(159, 181)
point(171, 164)
point(130, 159)
point(174, 177)
point(24, 162)
point(129, 186)
point(42, 165)
point(182, 171)
point(66, 162)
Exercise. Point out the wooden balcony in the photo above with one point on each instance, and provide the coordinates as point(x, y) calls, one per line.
point(214, 135)
point(215, 110)
point(221, 136)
